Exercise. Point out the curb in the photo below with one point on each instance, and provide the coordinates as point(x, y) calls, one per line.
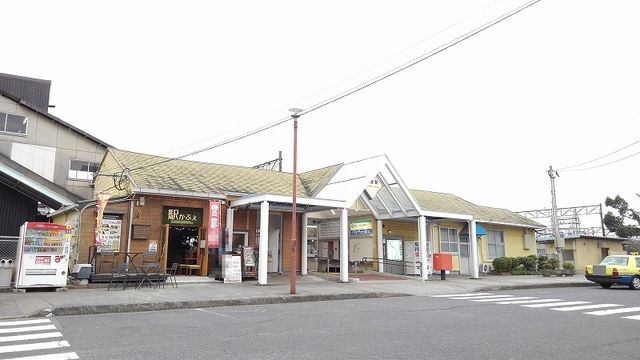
point(176, 305)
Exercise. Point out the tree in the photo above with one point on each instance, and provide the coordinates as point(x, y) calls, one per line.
point(616, 223)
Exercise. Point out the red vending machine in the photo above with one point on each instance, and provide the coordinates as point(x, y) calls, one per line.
point(43, 255)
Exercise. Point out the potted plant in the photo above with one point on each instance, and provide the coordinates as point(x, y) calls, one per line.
point(568, 269)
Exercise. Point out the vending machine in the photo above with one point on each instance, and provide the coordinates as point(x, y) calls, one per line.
point(43, 255)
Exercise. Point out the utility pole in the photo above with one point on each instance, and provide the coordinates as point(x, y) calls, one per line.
point(559, 241)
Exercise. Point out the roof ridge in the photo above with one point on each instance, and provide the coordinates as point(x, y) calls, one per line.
point(203, 162)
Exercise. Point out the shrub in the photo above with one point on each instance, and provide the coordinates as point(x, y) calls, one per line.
point(541, 261)
point(529, 262)
point(503, 264)
point(568, 266)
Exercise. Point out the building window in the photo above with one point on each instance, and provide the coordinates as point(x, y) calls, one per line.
point(13, 124)
point(449, 240)
point(82, 170)
point(567, 255)
point(495, 242)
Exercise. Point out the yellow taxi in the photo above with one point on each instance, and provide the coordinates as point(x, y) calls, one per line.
point(616, 269)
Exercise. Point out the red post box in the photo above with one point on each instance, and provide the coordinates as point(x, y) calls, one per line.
point(442, 261)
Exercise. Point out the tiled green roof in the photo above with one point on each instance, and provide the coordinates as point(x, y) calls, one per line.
point(448, 203)
point(186, 175)
point(315, 180)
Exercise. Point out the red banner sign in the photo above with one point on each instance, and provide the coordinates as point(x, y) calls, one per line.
point(213, 231)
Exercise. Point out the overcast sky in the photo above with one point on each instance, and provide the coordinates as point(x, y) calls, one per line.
point(556, 84)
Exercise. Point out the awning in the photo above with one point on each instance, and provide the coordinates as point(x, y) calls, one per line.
point(480, 230)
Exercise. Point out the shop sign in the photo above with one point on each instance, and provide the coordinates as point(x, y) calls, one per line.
point(213, 230)
point(182, 216)
point(359, 228)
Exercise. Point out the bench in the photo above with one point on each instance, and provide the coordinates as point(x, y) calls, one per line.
point(189, 267)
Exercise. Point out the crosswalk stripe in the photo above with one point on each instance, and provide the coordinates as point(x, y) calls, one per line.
point(585, 307)
point(502, 299)
point(536, 301)
point(459, 295)
point(614, 311)
point(34, 346)
point(481, 297)
point(30, 337)
point(566, 303)
point(63, 356)
point(24, 322)
point(27, 328)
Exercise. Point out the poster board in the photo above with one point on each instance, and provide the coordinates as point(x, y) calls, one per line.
point(231, 268)
point(110, 232)
point(359, 248)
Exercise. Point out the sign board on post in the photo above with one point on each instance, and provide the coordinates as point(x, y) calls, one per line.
point(213, 230)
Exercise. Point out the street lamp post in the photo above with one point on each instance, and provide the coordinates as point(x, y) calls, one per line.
point(292, 276)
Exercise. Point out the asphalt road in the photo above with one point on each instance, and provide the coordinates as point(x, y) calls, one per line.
point(391, 328)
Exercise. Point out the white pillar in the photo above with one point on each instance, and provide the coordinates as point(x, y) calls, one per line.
point(430, 246)
point(263, 246)
point(303, 247)
point(380, 250)
point(422, 235)
point(474, 250)
point(344, 246)
point(230, 213)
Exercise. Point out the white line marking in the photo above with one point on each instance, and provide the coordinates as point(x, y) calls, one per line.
point(456, 295)
point(585, 307)
point(501, 299)
point(27, 328)
point(529, 301)
point(34, 346)
point(566, 303)
point(30, 337)
point(614, 311)
point(24, 322)
point(65, 356)
point(634, 317)
point(481, 297)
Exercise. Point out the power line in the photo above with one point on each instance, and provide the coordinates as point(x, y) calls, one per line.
point(609, 163)
point(357, 88)
point(419, 59)
point(601, 157)
point(348, 77)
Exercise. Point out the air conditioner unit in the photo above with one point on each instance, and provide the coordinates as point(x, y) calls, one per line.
point(486, 268)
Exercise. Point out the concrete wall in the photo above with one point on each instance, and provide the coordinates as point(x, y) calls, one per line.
point(48, 148)
point(586, 251)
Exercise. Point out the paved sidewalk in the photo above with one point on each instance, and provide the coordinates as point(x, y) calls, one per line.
point(200, 292)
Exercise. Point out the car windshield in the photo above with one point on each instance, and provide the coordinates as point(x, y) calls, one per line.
point(615, 260)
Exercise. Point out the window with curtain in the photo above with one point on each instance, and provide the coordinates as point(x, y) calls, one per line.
point(495, 242)
point(449, 240)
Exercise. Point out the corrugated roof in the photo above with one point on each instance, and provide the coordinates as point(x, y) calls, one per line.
point(448, 203)
point(32, 90)
point(34, 185)
point(208, 177)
